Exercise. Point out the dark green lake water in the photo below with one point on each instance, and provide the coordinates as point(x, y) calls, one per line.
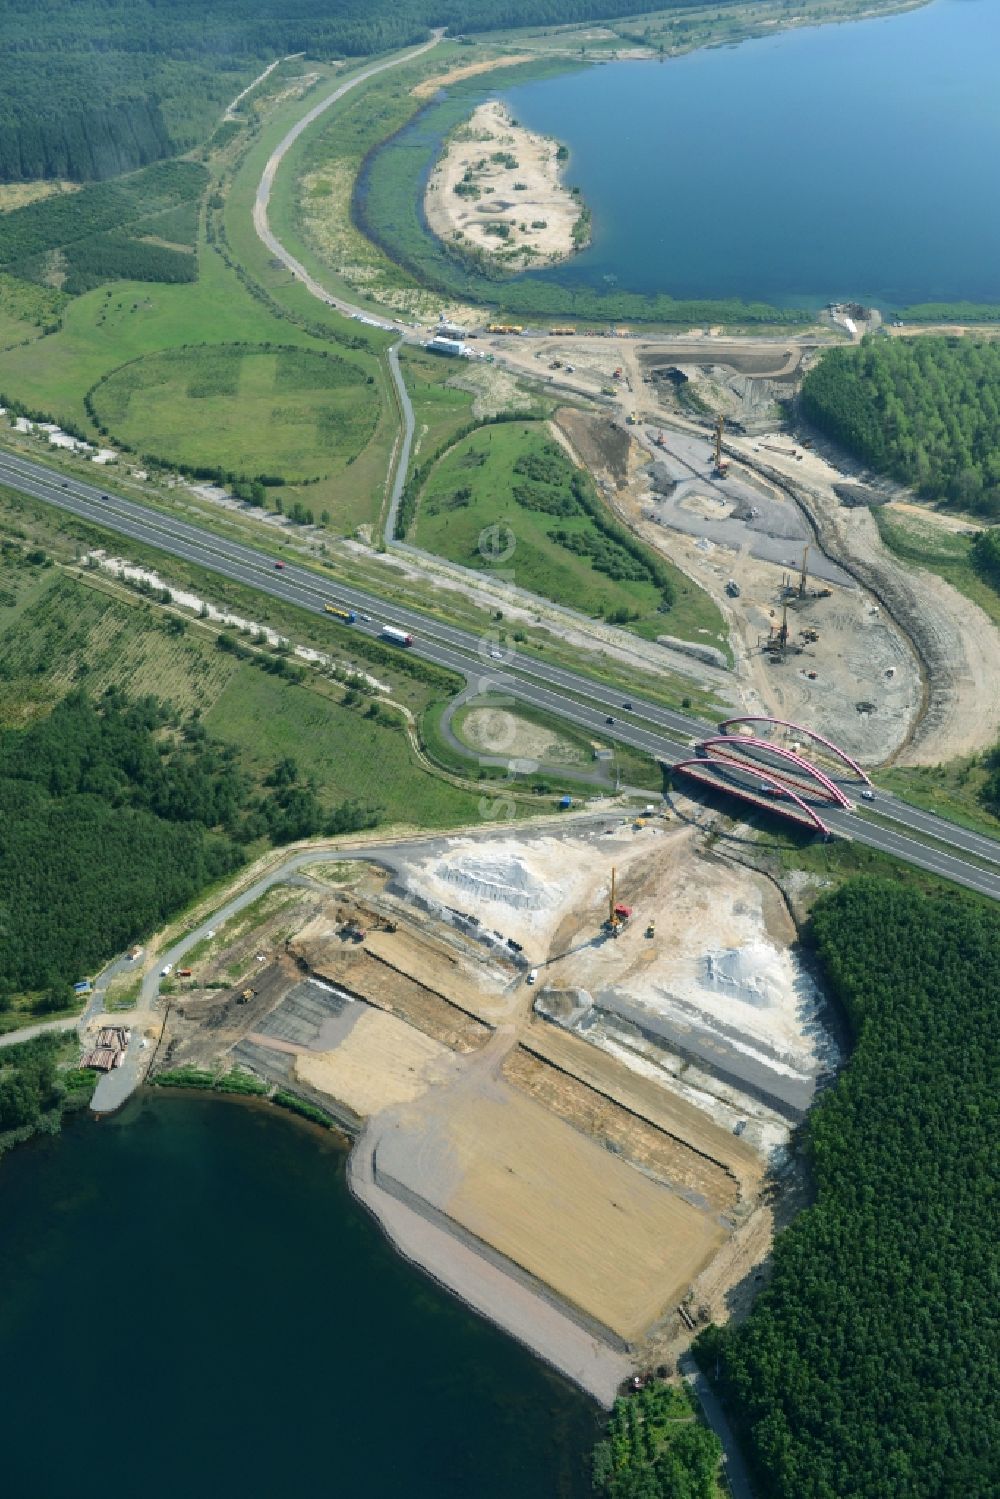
point(192, 1305)
point(836, 162)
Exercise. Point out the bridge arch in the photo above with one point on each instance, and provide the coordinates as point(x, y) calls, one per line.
point(741, 742)
point(799, 728)
point(696, 769)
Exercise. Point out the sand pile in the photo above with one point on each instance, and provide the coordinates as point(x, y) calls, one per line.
point(503, 878)
point(756, 974)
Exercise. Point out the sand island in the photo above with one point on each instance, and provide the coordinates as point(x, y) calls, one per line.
point(496, 192)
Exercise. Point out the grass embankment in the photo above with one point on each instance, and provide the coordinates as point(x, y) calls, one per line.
point(530, 733)
point(926, 543)
point(440, 408)
point(241, 1085)
point(311, 201)
point(506, 500)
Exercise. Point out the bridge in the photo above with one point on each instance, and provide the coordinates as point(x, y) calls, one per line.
point(772, 775)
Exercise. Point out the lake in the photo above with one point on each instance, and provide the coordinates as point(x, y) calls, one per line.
point(191, 1303)
point(832, 163)
point(849, 161)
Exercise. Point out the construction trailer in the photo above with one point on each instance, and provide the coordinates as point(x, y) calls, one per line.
point(451, 346)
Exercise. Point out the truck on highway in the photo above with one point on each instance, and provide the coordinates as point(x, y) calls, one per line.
point(347, 615)
point(398, 637)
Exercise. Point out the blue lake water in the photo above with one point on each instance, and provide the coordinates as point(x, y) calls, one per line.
point(192, 1304)
point(859, 160)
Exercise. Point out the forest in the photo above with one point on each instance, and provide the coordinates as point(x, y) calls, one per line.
point(924, 410)
point(74, 222)
point(869, 1366)
point(656, 1448)
point(35, 1091)
point(113, 815)
point(99, 87)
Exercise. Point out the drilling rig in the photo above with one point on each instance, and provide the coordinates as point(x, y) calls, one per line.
point(804, 573)
point(618, 914)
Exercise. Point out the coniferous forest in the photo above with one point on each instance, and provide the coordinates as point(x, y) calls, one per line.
point(870, 1366)
point(925, 410)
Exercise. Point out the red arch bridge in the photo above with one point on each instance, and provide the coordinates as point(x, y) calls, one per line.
point(781, 777)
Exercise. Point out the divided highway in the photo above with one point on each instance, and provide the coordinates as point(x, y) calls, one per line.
point(968, 858)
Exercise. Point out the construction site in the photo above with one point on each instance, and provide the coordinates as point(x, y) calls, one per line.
point(695, 444)
point(570, 1063)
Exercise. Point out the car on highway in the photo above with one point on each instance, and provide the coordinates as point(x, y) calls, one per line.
point(367, 618)
point(280, 566)
point(496, 655)
point(65, 484)
point(609, 719)
point(868, 795)
point(105, 497)
point(628, 706)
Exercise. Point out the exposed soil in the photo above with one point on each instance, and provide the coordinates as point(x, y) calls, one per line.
point(513, 208)
point(595, 1169)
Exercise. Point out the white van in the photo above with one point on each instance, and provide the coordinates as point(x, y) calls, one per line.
point(532, 975)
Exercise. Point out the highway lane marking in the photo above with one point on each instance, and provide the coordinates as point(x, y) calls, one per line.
point(237, 554)
point(257, 566)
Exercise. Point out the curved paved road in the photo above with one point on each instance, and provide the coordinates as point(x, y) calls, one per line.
point(260, 222)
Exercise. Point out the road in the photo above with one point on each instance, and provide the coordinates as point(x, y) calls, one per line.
point(402, 456)
point(597, 708)
point(733, 1465)
point(260, 220)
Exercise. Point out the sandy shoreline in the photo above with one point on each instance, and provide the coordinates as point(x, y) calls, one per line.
point(496, 192)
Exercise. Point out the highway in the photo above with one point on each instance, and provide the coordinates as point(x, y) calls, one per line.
point(661, 732)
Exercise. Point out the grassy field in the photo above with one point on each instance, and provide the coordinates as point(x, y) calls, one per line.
point(500, 501)
point(347, 754)
point(64, 633)
point(59, 631)
point(439, 409)
point(292, 413)
point(26, 310)
point(107, 327)
point(925, 543)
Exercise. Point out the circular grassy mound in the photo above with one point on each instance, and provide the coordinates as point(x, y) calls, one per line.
point(294, 414)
